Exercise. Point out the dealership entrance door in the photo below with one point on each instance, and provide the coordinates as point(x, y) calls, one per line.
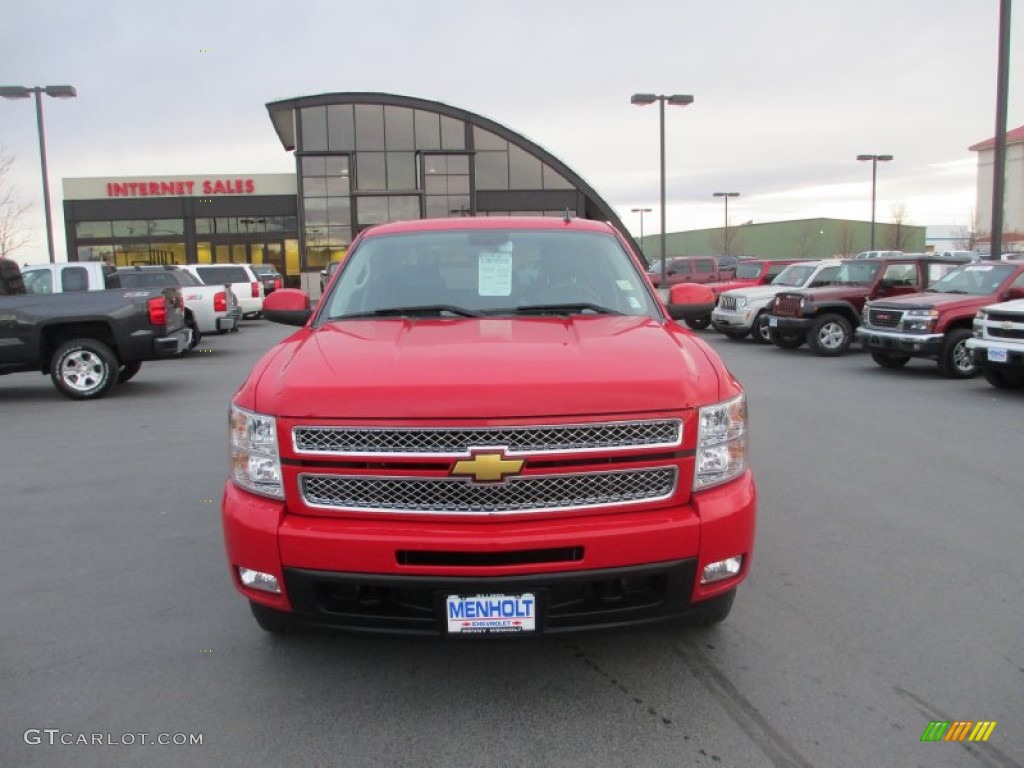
point(266, 252)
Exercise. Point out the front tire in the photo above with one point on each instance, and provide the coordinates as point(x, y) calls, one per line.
point(830, 335)
point(889, 360)
point(1003, 379)
point(699, 323)
point(955, 360)
point(736, 335)
point(761, 333)
point(84, 369)
point(786, 339)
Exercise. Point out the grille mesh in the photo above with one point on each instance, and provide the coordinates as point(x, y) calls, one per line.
point(518, 494)
point(788, 306)
point(885, 318)
point(727, 302)
point(454, 442)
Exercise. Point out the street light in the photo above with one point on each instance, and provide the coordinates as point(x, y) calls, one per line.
point(726, 195)
point(875, 160)
point(641, 211)
point(676, 100)
point(58, 92)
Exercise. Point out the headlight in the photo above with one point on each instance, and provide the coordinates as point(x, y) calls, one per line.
point(741, 304)
point(864, 314)
point(978, 325)
point(255, 462)
point(721, 443)
point(920, 319)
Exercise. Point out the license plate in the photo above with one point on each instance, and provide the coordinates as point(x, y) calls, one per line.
point(997, 355)
point(491, 614)
point(773, 322)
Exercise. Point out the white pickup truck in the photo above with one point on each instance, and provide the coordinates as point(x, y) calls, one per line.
point(208, 308)
point(998, 343)
point(745, 310)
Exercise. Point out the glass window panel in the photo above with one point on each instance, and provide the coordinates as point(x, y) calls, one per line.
point(313, 165)
point(291, 223)
point(401, 170)
point(339, 211)
point(316, 210)
point(372, 210)
point(437, 207)
point(94, 229)
point(336, 165)
point(204, 226)
point(491, 170)
point(486, 140)
point(370, 170)
point(224, 225)
point(130, 228)
point(103, 252)
point(339, 236)
point(453, 133)
point(341, 131)
point(458, 164)
point(458, 185)
point(555, 180)
point(314, 186)
point(314, 129)
point(369, 126)
point(458, 205)
point(435, 164)
point(437, 185)
point(398, 127)
point(168, 227)
point(338, 185)
point(403, 207)
point(428, 130)
point(250, 224)
point(315, 236)
point(524, 170)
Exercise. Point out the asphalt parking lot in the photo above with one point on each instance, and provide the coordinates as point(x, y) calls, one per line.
point(886, 593)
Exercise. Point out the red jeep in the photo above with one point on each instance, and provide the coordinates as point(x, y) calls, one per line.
point(748, 272)
point(936, 324)
point(488, 425)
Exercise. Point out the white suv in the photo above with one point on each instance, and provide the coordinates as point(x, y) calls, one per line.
point(743, 310)
point(245, 284)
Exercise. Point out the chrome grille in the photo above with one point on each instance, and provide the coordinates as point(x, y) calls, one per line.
point(1006, 333)
point(535, 440)
point(885, 318)
point(447, 495)
point(727, 302)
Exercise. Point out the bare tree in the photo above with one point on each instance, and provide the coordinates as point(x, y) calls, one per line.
point(844, 239)
point(965, 236)
point(806, 240)
point(899, 235)
point(13, 234)
point(723, 244)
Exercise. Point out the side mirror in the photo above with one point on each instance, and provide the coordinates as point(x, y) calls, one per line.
point(688, 301)
point(288, 306)
point(1017, 292)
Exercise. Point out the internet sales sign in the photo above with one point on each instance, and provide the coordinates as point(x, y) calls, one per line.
point(181, 188)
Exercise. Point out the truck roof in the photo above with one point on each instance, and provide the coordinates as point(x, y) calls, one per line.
point(491, 222)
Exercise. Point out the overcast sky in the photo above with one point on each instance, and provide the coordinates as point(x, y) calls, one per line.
point(786, 92)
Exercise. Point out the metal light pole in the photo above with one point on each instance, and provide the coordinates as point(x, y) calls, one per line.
point(726, 195)
point(995, 249)
point(875, 160)
point(641, 211)
point(677, 100)
point(59, 92)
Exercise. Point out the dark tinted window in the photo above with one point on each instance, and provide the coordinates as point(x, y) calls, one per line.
point(226, 274)
point(752, 269)
point(74, 279)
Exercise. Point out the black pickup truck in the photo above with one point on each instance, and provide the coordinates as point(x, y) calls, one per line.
point(90, 340)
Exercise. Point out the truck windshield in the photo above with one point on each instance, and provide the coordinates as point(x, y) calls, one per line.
point(857, 272)
point(749, 270)
point(975, 279)
point(488, 272)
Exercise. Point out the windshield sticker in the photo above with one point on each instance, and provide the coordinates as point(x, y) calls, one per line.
point(634, 302)
point(979, 268)
point(495, 274)
point(624, 285)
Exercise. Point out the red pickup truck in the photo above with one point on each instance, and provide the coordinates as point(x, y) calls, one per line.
point(488, 426)
point(936, 324)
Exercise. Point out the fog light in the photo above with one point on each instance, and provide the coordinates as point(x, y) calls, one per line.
point(723, 569)
point(265, 582)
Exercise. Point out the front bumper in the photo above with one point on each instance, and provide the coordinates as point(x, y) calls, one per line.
point(733, 320)
point(798, 325)
point(173, 344)
point(229, 322)
point(913, 344)
point(985, 351)
point(600, 570)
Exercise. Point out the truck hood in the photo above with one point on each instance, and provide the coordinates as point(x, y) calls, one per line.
point(486, 368)
point(756, 292)
point(941, 301)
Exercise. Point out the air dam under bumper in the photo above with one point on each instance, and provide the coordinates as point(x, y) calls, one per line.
point(387, 575)
point(913, 344)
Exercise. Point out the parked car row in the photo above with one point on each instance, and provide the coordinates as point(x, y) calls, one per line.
point(90, 325)
point(966, 315)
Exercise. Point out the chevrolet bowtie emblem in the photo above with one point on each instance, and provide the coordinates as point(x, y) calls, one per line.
point(488, 467)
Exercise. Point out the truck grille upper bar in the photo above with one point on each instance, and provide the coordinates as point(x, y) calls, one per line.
point(727, 302)
point(885, 318)
point(446, 495)
point(458, 441)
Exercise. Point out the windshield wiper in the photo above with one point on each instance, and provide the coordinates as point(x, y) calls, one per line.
point(559, 309)
point(424, 309)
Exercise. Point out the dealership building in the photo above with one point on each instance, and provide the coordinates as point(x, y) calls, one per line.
point(360, 159)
